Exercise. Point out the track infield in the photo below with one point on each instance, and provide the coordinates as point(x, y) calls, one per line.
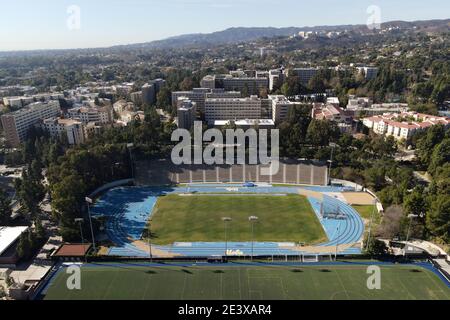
point(287, 218)
point(244, 282)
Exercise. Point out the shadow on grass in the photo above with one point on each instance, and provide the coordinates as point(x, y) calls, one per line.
point(186, 271)
point(296, 270)
point(218, 271)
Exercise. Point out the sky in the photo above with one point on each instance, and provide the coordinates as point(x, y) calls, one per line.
point(63, 24)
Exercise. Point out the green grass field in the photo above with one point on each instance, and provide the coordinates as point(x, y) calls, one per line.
point(248, 282)
point(199, 218)
point(365, 211)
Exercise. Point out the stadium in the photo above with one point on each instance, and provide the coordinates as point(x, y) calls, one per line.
point(297, 215)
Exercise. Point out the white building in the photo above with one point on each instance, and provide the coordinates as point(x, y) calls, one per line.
point(368, 72)
point(101, 115)
point(232, 109)
point(70, 128)
point(280, 107)
point(199, 95)
point(402, 126)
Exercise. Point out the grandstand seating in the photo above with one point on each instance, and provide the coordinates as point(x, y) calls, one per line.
point(163, 172)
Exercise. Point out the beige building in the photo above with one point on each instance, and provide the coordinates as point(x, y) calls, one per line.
point(17, 124)
point(99, 115)
point(232, 109)
point(72, 129)
point(280, 107)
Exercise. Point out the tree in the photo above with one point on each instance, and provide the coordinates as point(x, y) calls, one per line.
point(391, 223)
point(438, 218)
point(375, 247)
point(440, 156)
point(5, 208)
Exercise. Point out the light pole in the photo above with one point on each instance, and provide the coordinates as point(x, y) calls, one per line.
point(225, 221)
point(370, 224)
point(337, 240)
point(80, 221)
point(332, 145)
point(89, 201)
point(129, 146)
point(252, 220)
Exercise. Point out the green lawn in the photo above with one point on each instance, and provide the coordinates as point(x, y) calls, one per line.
point(248, 282)
point(366, 211)
point(199, 218)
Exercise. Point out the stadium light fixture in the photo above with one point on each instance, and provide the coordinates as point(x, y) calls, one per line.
point(89, 201)
point(226, 220)
point(80, 221)
point(252, 220)
point(129, 146)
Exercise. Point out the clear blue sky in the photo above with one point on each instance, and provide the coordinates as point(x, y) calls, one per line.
point(42, 24)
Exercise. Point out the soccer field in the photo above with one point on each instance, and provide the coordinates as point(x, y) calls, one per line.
point(243, 282)
point(199, 218)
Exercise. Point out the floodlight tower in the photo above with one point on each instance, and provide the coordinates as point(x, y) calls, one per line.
point(252, 220)
point(225, 221)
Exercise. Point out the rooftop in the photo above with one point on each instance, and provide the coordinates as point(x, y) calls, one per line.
point(72, 250)
point(8, 235)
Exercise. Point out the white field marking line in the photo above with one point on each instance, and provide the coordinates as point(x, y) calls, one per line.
point(109, 285)
point(342, 284)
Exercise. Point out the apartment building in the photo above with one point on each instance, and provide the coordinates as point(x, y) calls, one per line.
point(403, 126)
point(249, 84)
point(17, 124)
point(100, 115)
point(232, 109)
point(199, 95)
point(280, 107)
point(72, 129)
point(368, 72)
point(150, 91)
point(276, 78)
point(186, 113)
point(303, 74)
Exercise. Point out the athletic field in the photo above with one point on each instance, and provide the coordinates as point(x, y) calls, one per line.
point(193, 218)
point(234, 281)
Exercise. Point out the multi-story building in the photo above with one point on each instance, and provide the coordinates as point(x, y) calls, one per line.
point(17, 124)
point(368, 72)
point(150, 91)
point(249, 84)
point(100, 115)
point(280, 107)
point(199, 95)
point(186, 113)
point(72, 129)
point(331, 112)
point(136, 97)
point(377, 109)
point(303, 74)
point(232, 109)
point(403, 126)
point(208, 82)
point(276, 78)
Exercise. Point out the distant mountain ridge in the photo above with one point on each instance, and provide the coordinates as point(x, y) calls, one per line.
point(242, 34)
